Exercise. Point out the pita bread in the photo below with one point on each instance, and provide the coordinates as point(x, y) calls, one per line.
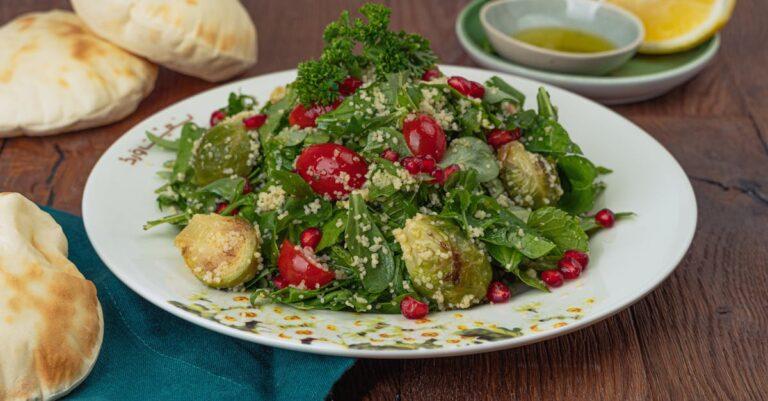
point(209, 39)
point(51, 322)
point(56, 76)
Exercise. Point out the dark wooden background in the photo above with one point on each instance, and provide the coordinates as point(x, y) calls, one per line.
point(700, 336)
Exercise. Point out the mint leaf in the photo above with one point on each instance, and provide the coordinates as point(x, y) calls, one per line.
point(560, 227)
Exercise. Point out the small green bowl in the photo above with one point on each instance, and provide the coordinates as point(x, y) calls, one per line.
point(642, 77)
point(502, 19)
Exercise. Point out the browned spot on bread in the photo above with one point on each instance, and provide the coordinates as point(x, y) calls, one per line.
point(62, 82)
point(228, 42)
point(25, 22)
point(208, 36)
point(69, 328)
point(192, 2)
point(87, 49)
point(69, 29)
point(7, 73)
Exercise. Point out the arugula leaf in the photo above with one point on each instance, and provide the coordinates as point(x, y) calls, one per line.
point(578, 178)
point(226, 188)
point(497, 91)
point(549, 137)
point(546, 109)
point(276, 113)
point(332, 230)
point(238, 102)
point(365, 241)
point(290, 136)
point(190, 132)
point(166, 144)
point(386, 138)
point(560, 227)
point(398, 207)
point(531, 281)
point(293, 184)
point(472, 153)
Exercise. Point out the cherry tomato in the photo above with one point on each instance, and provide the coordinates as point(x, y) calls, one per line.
point(424, 136)
point(467, 87)
point(349, 86)
point(297, 265)
point(331, 170)
point(305, 117)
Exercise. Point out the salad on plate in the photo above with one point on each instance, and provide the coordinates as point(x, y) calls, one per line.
point(374, 183)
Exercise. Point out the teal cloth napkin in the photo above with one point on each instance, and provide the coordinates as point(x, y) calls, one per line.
point(149, 354)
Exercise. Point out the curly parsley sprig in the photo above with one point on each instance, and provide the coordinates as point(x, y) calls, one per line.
point(381, 49)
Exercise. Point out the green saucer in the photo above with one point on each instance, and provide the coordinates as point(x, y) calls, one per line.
point(642, 77)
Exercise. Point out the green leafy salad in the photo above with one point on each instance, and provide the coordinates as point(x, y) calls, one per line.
point(374, 183)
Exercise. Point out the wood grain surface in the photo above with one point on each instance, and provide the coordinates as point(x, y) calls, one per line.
point(700, 336)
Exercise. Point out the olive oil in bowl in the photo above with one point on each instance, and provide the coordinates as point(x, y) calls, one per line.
point(565, 40)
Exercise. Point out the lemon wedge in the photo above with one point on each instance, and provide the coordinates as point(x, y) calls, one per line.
point(676, 25)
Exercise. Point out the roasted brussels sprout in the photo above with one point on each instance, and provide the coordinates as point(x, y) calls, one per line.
point(444, 264)
point(224, 150)
point(221, 251)
point(529, 178)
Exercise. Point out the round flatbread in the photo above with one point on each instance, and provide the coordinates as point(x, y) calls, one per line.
point(56, 76)
point(51, 323)
point(209, 39)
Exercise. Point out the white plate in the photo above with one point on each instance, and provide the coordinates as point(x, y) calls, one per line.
point(628, 261)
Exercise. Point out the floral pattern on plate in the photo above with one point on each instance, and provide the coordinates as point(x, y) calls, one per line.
point(372, 331)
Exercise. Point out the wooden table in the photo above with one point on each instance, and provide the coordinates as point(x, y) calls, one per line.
point(700, 336)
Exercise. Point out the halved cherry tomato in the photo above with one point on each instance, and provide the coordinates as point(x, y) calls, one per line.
point(297, 265)
point(331, 170)
point(424, 136)
point(305, 117)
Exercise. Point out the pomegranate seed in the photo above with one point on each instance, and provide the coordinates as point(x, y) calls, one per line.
point(552, 278)
point(450, 170)
point(430, 74)
point(279, 282)
point(349, 85)
point(428, 164)
point(569, 267)
point(580, 257)
point(247, 188)
point(498, 292)
point(605, 218)
point(467, 87)
point(390, 155)
point(311, 237)
point(256, 121)
point(216, 117)
point(439, 176)
point(499, 137)
point(221, 206)
point(412, 164)
point(412, 308)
